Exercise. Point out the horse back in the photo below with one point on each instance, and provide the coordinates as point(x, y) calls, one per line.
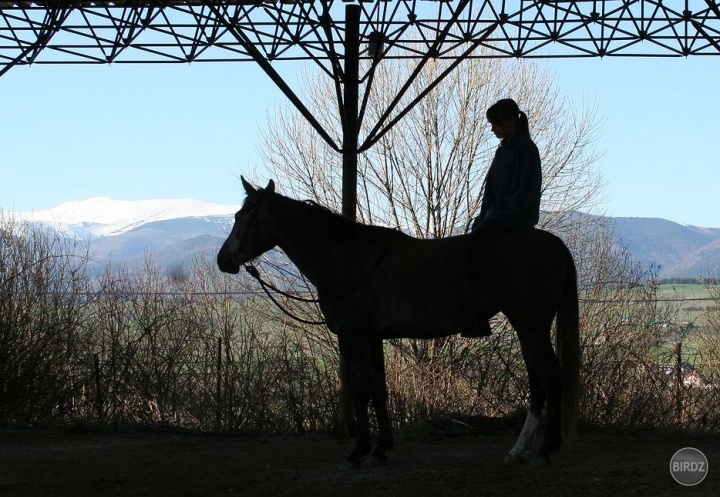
point(425, 288)
point(528, 270)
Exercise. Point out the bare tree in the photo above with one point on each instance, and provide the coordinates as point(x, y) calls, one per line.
point(425, 176)
point(43, 282)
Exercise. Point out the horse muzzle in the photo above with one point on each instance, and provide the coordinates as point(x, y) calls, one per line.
point(228, 263)
point(230, 268)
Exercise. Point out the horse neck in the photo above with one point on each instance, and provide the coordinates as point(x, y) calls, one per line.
point(308, 236)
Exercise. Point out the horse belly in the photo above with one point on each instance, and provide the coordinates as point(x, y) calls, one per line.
point(424, 312)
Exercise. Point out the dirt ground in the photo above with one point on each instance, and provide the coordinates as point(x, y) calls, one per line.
point(81, 463)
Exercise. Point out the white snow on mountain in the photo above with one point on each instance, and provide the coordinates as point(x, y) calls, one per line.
point(103, 216)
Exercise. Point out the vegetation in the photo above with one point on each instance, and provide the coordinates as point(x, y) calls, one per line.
point(205, 352)
point(200, 350)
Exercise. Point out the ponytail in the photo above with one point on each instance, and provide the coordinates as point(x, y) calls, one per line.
point(507, 109)
point(523, 123)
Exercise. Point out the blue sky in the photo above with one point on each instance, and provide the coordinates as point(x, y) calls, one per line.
point(186, 131)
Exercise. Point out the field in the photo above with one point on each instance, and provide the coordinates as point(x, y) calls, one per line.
point(691, 300)
point(157, 464)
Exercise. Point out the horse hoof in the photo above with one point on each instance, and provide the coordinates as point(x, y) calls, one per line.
point(514, 459)
point(376, 461)
point(348, 465)
point(539, 461)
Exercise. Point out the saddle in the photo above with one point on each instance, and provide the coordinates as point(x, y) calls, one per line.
point(486, 243)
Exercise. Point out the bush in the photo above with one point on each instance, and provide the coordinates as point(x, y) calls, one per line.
point(206, 352)
point(42, 305)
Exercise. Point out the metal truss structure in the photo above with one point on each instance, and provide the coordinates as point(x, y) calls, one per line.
point(86, 31)
point(337, 35)
point(183, 31)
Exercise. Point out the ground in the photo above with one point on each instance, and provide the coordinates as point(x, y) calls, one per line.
point(80, 463)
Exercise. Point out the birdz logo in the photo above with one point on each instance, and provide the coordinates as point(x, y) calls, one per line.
point(688, 466)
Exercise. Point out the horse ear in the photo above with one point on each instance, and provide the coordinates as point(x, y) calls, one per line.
point(248, 187)
point(270, 188)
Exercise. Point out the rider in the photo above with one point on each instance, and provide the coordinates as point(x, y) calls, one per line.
point(512, 188)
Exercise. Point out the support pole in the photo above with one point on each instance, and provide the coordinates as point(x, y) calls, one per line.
point(350, 110)
point(344, 425)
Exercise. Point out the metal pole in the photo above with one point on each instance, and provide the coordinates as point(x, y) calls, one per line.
point(350, 110)
point(344, 426)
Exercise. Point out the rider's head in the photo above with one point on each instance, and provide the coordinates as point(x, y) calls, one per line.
point(506, 118)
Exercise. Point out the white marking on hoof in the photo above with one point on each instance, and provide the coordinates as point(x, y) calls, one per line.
point(524, 445)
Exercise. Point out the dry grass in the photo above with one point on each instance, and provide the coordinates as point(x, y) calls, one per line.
point(204, 352)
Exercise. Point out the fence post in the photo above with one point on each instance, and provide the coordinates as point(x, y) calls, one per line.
point(218, 387)
point(678, 382)
point(98, 390)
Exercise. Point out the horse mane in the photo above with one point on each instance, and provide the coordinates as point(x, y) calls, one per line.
point(336, 222)
point(321, 207)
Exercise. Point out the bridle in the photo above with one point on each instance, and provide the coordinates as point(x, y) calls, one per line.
point(253, 271)
point(266, 286)
point(252, 224)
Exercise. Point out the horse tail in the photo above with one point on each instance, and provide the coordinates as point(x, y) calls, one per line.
point(568, 348)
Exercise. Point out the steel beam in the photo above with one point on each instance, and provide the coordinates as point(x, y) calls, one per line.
point(351, 82)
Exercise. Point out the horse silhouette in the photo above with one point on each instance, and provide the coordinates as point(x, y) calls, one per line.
point(375, 283)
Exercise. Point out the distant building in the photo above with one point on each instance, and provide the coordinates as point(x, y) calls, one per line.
point(691, 377)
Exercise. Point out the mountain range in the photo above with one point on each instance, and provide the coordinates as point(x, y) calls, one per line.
point(678, 250)
point(174, 232)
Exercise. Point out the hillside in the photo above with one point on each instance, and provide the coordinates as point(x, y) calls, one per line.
point(175, 232)
point(171, 242)
point(678, 250)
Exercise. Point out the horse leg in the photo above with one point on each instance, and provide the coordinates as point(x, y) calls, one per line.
point(552, 380)
point(378, 394)
point(543, 369)
point(547, 367)
point(524, 446)
point(344, 427)
point(354, 353)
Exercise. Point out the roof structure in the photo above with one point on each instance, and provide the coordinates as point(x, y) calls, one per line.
point(101, 32)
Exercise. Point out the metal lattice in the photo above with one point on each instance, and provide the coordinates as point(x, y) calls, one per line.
point(54, 32)
point(338, 36)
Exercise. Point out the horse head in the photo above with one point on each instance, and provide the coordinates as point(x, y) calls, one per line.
point(250, 236)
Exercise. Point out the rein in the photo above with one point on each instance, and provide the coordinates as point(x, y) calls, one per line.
point(252, 270)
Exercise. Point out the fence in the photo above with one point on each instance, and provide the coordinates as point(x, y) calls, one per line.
point(212, 361)
point(205, 352)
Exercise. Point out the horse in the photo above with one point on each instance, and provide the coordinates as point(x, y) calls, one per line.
point(375, 283)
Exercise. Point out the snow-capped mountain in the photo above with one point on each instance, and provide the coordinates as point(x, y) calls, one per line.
point(103, 216)
point(125, 232)
point(174, 232)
